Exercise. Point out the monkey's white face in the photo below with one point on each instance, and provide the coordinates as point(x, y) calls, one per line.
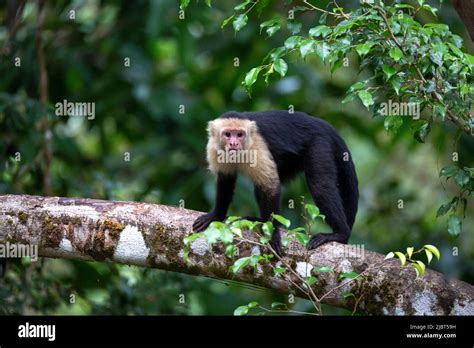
point(233, 138)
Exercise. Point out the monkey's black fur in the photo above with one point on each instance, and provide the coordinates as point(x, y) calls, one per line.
point(299, 143)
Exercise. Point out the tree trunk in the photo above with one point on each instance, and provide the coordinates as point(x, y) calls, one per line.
point(465, 10)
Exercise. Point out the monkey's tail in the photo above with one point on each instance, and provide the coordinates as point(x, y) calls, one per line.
point(348, 184)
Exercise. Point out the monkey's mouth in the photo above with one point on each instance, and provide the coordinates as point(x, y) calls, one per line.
point(233, 149)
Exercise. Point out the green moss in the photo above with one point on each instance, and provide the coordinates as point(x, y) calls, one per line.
point(51, 232)
point(23, 217)
point(114, 227)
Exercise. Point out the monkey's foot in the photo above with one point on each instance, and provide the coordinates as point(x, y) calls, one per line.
point(324, 238)
point(275, 243)
point(204, 221)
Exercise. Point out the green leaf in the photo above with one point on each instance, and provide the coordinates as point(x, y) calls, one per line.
point(311, 280)
point(323, 49)
point(348, 98)
point(363, 49)
point(239, 264)
point(285, 241)
point(226, 236)
point(239, 22)
point(437, 54)
point(322, 269)
point(282, 220)
point(439, 111)
point(320, 30)
point(229, 251)
point(184, 4)
point(389, 255)
point(356, 86)
point(226, 21)
point(429, 255)
point(422, 267)
point(236, 231)
point(242, 5)
point(454, 225)
point(267, 229)
point(253, 304)
point(293, 42)
point(261, 5)
point(297, 229)
point(269, 23)
point(347, 294)
point(306, 48)
point(366, 98)
point(277, 53)
point(419, 270)
point(449, 171)
point(294, 27)
point(312, 210)
point(278, 270)
point(433, 250)
point(392, 123)
point(456, 50)
point(254, 259)
point(348, 275)
point(208, 3)
point(396, 54)
point(470, 171)
point(280, 305)
point(402, 257)
point(242, 310)
point(302, 238)
point(396, 83)
point(251, 77)
point(445, 208)
point(410, 251)
point(422, 133)
point(432, 10)
point(212, 234)
point(281, 67)
point(272, 30)
point(191, 238)
point(462, 179)
point(389, 71)
point(406, 6)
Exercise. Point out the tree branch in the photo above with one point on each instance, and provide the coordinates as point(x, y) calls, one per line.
point(151, 235)
point(465, 10)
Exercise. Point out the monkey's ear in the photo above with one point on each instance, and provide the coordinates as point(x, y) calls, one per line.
point(211, 129)
point(252, 127)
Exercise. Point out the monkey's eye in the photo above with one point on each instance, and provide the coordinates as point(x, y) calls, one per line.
point(240, 134)
point(227, 134)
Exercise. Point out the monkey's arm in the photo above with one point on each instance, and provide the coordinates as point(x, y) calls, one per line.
point(224, 193)
point(269, 203)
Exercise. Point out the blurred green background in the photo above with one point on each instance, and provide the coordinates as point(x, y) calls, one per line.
point(188, 63)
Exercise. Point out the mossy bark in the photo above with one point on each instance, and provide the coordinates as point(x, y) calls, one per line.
point(151, 235)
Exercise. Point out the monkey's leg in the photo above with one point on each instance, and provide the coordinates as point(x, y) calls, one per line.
point(268, 203)
point(224, 192)
point(321, 176)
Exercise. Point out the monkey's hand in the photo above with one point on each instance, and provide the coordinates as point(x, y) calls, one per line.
point(205, 220)
point(323, 238)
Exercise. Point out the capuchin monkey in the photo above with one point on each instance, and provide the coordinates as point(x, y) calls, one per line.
point(272, 147)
